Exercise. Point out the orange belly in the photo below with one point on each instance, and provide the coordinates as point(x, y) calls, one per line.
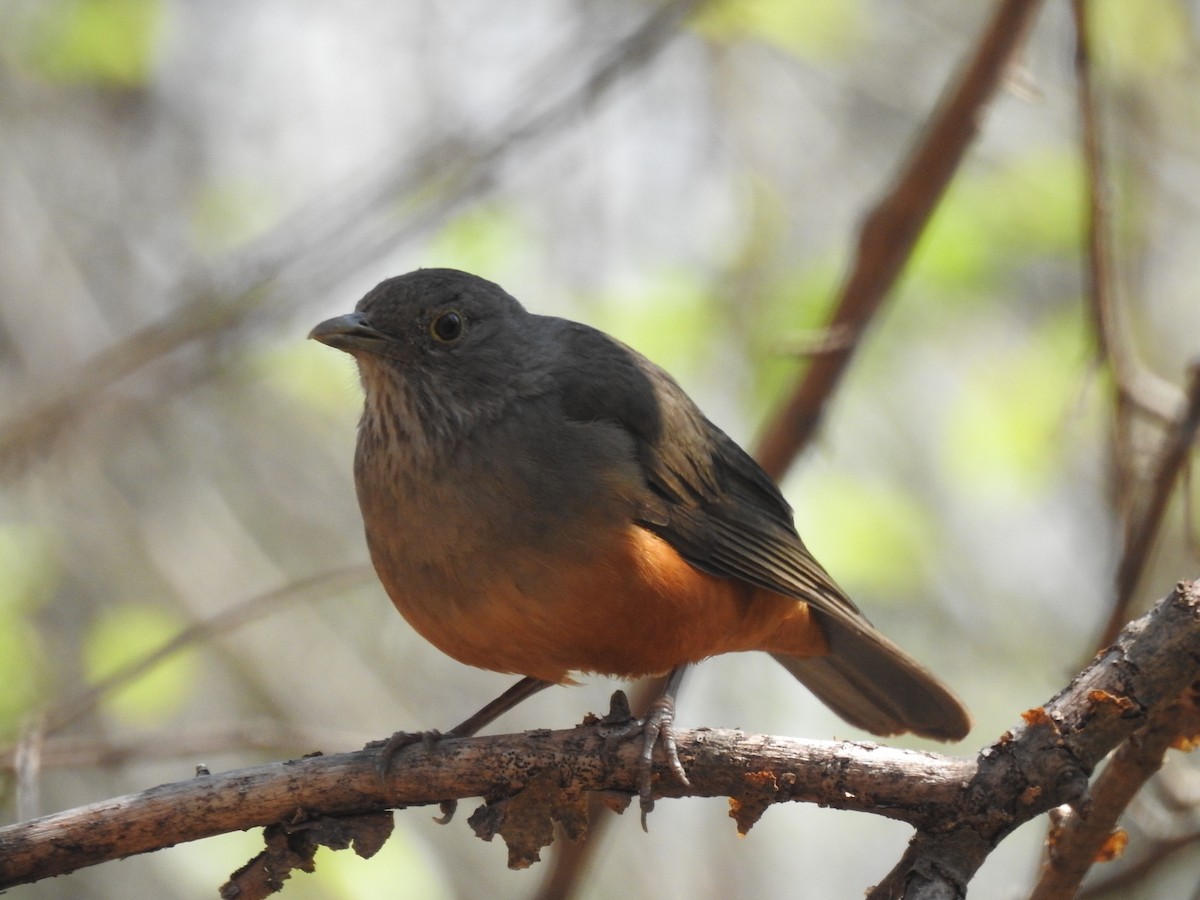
point(635, 608)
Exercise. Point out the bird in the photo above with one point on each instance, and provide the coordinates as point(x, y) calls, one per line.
point(540, 499)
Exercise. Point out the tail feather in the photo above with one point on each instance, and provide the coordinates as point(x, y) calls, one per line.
point(874, 685)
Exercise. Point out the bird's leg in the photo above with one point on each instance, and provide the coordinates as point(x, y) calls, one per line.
point(656, 726)
point(518, 693)
point(522, 690)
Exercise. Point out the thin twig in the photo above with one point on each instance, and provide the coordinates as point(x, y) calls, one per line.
point(890, 232)
point(190, 744)
point(1142, 528)
point(1107, 316)
point(66, 711)
point(1133, 874)
point(1137, 388)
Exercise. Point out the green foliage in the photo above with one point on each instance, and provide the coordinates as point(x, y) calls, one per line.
point(989, 223)
point(1004, 436)
point(488, 240)
point(124, 634)
point(873, 536)
point(814, 29)
point(989, 220)
point(227, 215)
point(105, 42)
point(1141, 39)
point(401, 869)
point(669, 318)
point(29, 569)
point(765, 233)
point(790, 323)
point(21, 671)
point(309, 373)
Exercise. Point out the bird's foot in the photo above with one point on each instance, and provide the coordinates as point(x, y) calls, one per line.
point(656, 727)
point(389, 747)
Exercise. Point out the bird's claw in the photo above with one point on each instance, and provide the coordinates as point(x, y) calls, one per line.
point(389, 747)
point(658, 727)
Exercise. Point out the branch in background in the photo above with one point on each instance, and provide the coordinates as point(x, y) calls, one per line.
point(33, 752)
point(1119, 883)
point(962, 808)
point(1137, 388)
point(1107, 317)
point(325, 243)
point(1076, 841)
point(66, 711)
point(1144, 522)
point(890, 232)
point(192, 745)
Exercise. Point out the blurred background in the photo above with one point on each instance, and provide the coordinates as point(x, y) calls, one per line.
point(187, 186)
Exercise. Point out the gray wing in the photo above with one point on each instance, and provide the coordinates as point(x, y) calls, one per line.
point(705, 495)
point(710, 501)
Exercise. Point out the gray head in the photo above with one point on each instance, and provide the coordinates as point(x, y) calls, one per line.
point(437, 350)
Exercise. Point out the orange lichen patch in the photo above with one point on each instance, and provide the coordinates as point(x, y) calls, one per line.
point(746, 812)
point(762, 780)
point(1186, 742)
point(1037, 716)
point(1114, 845)
point(735, 813)
point(748, 809)
point(1104, 698)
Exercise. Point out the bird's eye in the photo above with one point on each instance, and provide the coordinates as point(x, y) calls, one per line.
point(448, 326)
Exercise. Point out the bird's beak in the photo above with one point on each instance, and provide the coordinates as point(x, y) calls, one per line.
point(349, 332)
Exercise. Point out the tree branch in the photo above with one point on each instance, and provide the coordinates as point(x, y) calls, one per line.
point(962, 808)
point(1047, 760)
point(1135, 385)
point(1159, 853)
point(890, 231)
point(1144, 520)
point(1077, 841)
